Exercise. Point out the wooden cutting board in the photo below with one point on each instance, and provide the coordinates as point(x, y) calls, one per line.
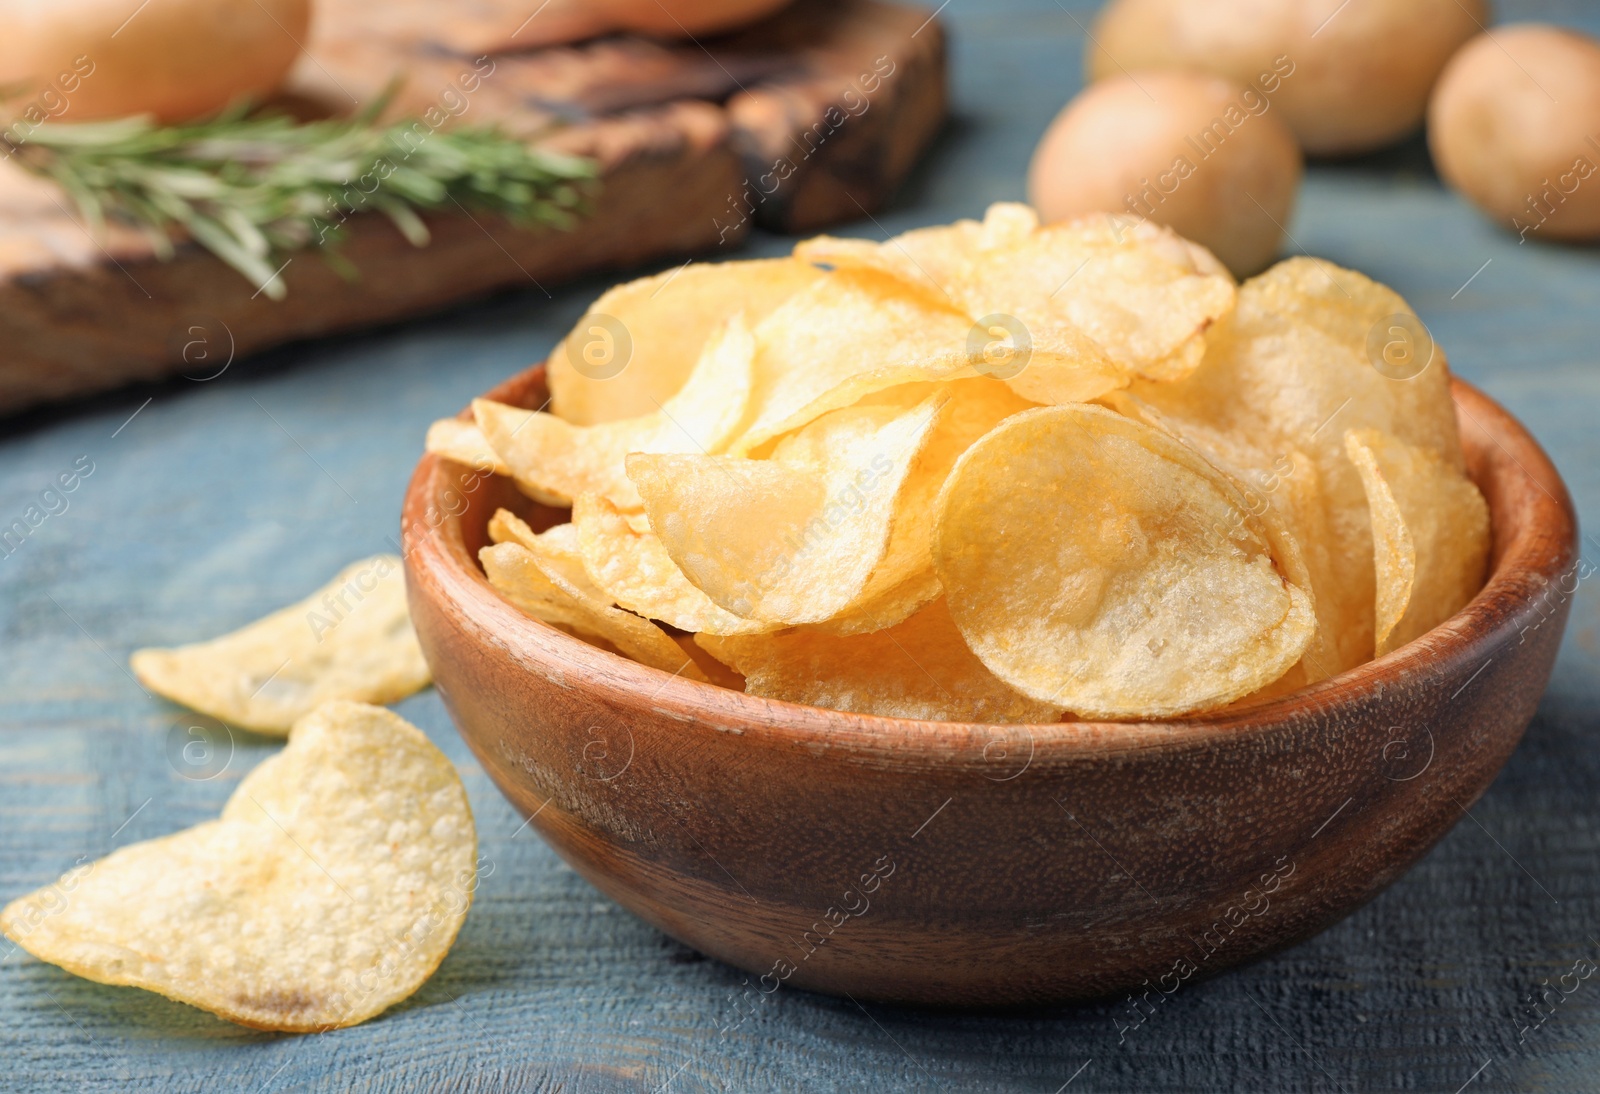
point(811, 117)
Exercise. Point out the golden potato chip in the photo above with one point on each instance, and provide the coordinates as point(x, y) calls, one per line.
point(905, 580)
point(859, 331)
point(1093, 562)
point(919, 668)
point(351, 639)
point(1430, 532)
point(1291, 371)
point(542, 585)
point(465, 443)
point(1142, 293)
point(555, 461)
point(330, 889)
point(633, 569)
point(797, 538)
point(636, 346)
point(1292, 486)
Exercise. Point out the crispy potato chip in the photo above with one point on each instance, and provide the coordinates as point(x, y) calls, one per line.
point(351, 639)
point(555, 461)
point(1290, 371)
point(636, 346)
point(464, 443)
point(541, 584)
point(919, 668)
point(905, 580)
point(1093, 562)
point(797, 538)
point(1138, 290)
point(1430, 532)
point(859, 331)
point(330, 889)
point(1292, 486)
point(633, 568)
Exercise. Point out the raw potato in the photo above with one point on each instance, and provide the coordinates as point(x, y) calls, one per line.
point(1098, 564)
point(83, 60)
point(330, 889)
point(1430, 532)
point(919, 668)
point(351, 639)
point(1515, 126)
point(1349, 75)
point(1195, 152)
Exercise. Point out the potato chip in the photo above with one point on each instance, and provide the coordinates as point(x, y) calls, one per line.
point(636, 346)
point(1430, 532)
point(542, 585)
point(555, 461)
point(905, 580)
point(1093, 562)
point(330, 889)
point(797, 538)
point(1290, 371)
point(1139, 291)
point(919, 668)
point(633, 569)
point(859, 331)
point(464, 443)
point(351, 639)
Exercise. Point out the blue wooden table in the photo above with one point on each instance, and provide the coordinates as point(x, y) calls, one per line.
point(212, 501)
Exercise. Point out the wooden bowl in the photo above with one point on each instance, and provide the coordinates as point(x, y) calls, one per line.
point(955, 864)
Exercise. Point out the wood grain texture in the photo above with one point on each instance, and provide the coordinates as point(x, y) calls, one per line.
point(217, 502)
point(809, 118)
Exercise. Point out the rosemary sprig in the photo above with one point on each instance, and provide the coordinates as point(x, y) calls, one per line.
point(249, 188)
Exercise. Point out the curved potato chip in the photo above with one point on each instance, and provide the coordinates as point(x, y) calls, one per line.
point(555, 461)
point(1142, 293)
point(1290, 371)
point(330, 889)
point(636, 346)
point(634, 569)
point(905, 580)
point(541, 585)
point(1430, 532)
point(797, 538)
point(919, 668)
point(859, 332)
point(351, 639)
point(464, 443)
point(1116, 573)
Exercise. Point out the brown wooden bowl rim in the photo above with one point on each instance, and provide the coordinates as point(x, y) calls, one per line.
point(1528, 562)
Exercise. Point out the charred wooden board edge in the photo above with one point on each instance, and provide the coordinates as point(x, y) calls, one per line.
point(72, 330)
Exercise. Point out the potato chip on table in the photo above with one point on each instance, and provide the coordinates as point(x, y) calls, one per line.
point(1101, 565)
point(351, 639)
point(331, 888)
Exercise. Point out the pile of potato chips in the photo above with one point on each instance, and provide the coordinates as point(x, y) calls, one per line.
point(991, 472)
